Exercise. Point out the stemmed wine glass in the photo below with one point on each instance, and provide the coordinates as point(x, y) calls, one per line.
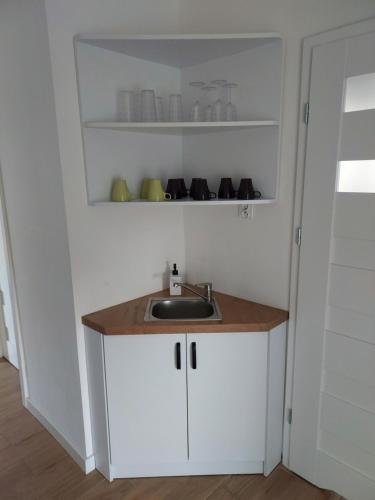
point(218, 107)
point(230, 111)
point(196, 110)
point(208, 108)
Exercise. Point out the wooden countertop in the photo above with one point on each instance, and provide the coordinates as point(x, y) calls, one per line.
point(239, 315)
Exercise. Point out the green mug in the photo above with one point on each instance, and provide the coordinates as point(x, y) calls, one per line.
point(144, 188)
point(120, 191)
point(155, 191)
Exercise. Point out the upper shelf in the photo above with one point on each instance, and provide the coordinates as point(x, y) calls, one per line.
point(183, 202)
point(179, 50)
point(181, 127)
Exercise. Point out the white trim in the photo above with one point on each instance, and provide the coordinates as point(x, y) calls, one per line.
point(186, 469)
point(212, 36)
point(13, 292)
point(87, 464)
point(309, 43)
point(179, 126)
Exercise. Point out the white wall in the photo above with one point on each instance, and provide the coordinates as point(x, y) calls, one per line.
point(36, 216)
point(252, 258)
point(117, 253)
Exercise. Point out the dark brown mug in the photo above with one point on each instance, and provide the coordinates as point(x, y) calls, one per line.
point(246, 190)
point(226, 190)
point(175, 189)
point(201, 191)
point(184, 191)
point(194, 183)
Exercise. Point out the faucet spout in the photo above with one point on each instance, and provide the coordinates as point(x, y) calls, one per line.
point(207, 286)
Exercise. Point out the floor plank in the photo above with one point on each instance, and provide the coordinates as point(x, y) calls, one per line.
point(33, 466)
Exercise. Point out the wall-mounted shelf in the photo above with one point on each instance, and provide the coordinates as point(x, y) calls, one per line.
point(183, 202)
point(180, 127)
point(167, 64)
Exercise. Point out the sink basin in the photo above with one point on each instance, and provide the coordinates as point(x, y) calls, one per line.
point(181, 309)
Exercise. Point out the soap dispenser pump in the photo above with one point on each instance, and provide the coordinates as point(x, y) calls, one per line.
point(174, 278)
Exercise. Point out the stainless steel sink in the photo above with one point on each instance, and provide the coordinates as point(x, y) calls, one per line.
point(181, 309)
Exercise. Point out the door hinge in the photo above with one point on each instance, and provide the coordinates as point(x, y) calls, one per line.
point(289, 415)
point(299, 236)
point(306, 113)
point(6, 333)
point(2, 298)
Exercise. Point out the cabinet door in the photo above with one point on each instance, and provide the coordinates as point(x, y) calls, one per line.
point(227, 383)
point(147, 407)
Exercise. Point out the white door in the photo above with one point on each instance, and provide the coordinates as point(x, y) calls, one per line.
point(146, 391)
point(333, 429)
point(227, 387)
point(7, 326)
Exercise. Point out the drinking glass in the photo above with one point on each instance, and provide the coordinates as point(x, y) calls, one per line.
point(218, 106)
point(208, 107)
point(175, 108)
point(230, 111)
point(148, 106)
point(127, 111)
point(159, 109)
point(196, 110)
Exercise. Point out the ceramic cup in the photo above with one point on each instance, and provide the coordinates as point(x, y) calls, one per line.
point(156, 192)
point(246, 190)
point(226, 191)
point(120, 191)
point(144, 188)
point(176, 188)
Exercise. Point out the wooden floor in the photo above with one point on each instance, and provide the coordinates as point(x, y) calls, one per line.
point(34, 466)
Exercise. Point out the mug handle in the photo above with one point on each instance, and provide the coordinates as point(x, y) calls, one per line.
point(167, 196)
point(212, 195)
point(257, 195)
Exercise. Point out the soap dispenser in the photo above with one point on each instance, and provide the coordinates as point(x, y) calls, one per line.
point(175, 278)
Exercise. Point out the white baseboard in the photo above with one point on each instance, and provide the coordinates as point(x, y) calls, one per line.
point(185, 469)
point(87, 464)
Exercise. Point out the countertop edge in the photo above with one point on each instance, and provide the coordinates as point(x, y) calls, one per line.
point(155, 327)
point(177, 329)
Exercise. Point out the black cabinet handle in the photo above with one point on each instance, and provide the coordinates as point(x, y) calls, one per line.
point(193, 355)
point(178, 355)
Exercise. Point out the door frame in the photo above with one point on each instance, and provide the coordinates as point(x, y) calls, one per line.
point(4, 233)
point(309, 43)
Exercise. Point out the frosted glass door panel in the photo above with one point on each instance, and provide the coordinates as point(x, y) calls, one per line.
point(356, 177)
point(360, 92)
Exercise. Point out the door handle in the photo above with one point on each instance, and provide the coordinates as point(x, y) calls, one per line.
point(194, 355)
point(178, 355)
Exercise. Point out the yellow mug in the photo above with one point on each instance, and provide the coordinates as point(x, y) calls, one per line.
point(120, 191)
point(155, 191)
point(144, 188)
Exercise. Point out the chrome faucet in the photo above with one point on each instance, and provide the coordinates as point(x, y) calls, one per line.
point(207, 296)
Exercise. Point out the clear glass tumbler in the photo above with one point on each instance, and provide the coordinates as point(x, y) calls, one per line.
point(148, 106)
point(196, 109)
point(175, 108)
point(207, 102)
point(126, 106)
point(159, 109)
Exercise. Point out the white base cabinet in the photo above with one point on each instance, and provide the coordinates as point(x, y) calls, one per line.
point(176, 404)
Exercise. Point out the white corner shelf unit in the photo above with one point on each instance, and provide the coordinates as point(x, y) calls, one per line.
point(248, 147)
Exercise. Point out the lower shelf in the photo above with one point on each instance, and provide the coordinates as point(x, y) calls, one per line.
point(184, 202)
